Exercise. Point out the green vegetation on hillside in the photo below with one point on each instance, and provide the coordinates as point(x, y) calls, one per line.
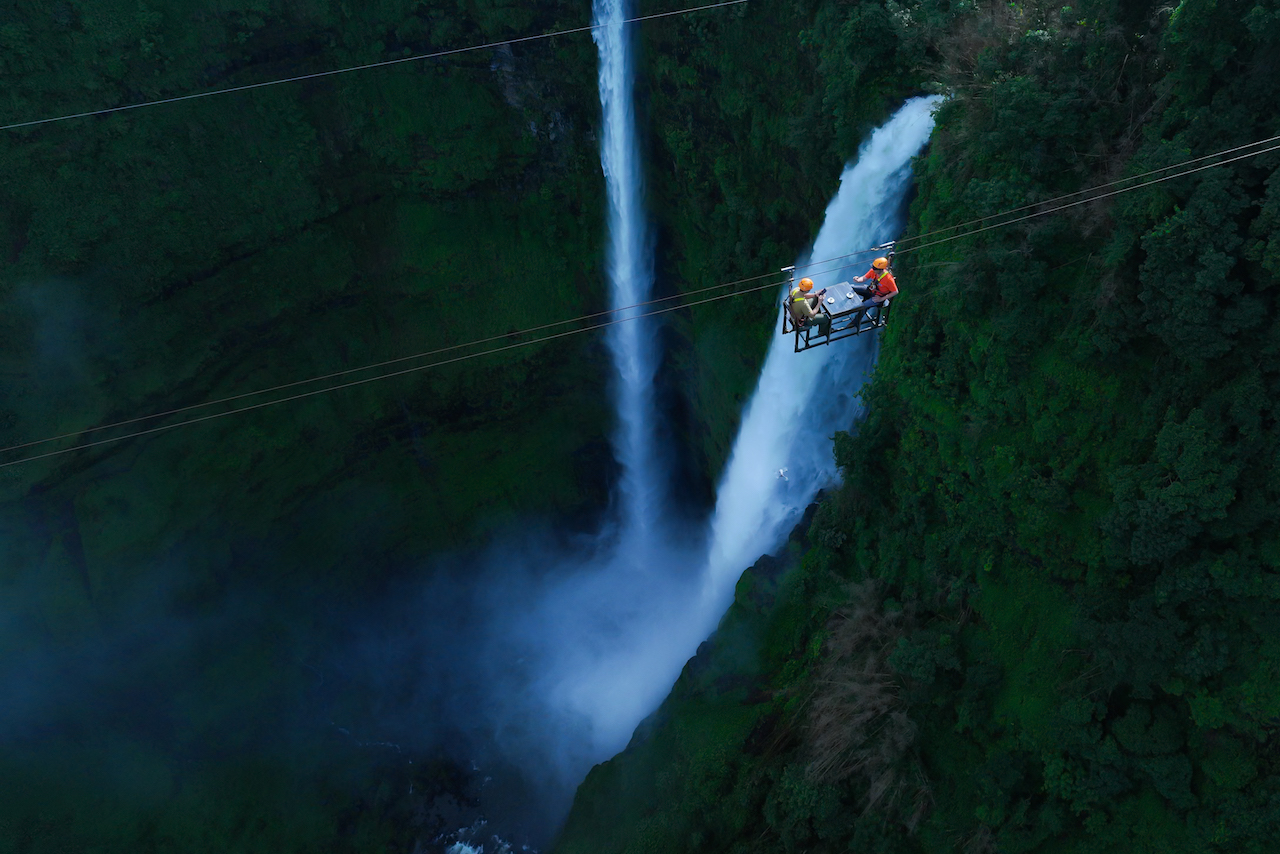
point(1042, 613)
point(158, 258)
point(167, 601)
point(166, 256)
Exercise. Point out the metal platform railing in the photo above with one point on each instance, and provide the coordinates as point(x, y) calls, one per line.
point(844, 324)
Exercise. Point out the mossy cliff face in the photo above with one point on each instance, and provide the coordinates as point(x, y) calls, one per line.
point(171, 605)
point(182, 590)
point(1041, 613)
point(165, 257)
point(170, 256)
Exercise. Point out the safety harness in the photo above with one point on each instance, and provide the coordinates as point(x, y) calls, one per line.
point(798, 296)
point(879, 277)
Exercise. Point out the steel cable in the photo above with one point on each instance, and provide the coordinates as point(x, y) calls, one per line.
point(381, 64)
point(558, 335)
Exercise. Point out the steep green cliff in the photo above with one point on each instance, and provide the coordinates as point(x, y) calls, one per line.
point(1042, 613)
point(170, 603)
point(165, 257)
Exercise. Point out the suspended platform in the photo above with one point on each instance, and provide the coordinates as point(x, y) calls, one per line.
point(850, 315)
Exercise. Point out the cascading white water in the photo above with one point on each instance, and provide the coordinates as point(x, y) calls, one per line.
point(801, 399)
point(633, 343)
point(572, 660)
point(574, 694)
point(609, 643)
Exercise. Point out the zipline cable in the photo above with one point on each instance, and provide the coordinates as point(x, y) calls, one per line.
point(395, 361)
point(401, 359)
point(585, 317)
point(381, 64)
point(1090, 189)
point(905, 240)
point(1090, 199)
point(397, 373)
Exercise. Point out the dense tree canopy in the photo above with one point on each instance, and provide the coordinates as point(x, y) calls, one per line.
point(1061, 513)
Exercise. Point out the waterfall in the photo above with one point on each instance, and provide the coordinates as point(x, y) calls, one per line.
point(575, 647)
point(630, 269)
point(565, 667)
point(610, 642)
point(801, 399)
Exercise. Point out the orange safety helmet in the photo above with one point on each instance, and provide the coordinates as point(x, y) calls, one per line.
point(880, 263)
point(806, 285)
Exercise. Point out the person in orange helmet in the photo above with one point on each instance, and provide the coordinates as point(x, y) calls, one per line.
point(804, 308)
point(882, 288)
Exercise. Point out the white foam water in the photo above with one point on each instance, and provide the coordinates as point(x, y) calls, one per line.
point(802, 398)
point(633, 344)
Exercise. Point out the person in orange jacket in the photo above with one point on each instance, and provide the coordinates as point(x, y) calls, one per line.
point(883, 286)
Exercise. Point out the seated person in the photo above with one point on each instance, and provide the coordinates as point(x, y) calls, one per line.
point(804, 308)
point(883, 287)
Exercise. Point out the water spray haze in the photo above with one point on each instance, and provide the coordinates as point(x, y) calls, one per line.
point(604, 643)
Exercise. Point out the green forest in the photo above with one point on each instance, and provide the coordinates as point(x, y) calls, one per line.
point(1041, 612)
